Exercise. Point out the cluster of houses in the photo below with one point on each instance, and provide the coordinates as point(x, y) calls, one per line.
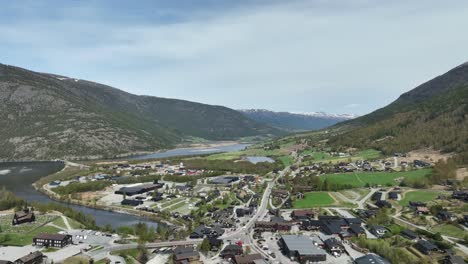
point(344, 228)
point(331, 232)
point(359, 165)
point(380, 200)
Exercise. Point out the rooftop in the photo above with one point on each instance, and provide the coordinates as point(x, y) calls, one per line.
point(302, 244)
point(371, 259)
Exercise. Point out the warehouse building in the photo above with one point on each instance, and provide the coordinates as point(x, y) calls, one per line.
point(302, 249)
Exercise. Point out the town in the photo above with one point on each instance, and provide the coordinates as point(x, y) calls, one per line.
point(305, 205)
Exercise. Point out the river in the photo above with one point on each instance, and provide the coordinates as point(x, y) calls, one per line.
point(18, 177)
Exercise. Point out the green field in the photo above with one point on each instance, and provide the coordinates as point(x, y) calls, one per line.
point(314, 199)
point(59, 222)
point(356, 180)
point(369, 154)
point(17, 239)
point(419, 195)
point(323, 156)
point(449, 230)
point(286, 160)
point(7, 227)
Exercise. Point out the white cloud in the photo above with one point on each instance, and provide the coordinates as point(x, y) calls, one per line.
point(305, 56)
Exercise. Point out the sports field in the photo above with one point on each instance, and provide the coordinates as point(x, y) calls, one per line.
point(360, 179)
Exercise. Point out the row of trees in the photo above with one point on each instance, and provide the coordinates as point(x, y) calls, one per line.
point(8, 200)
point(260, 168)
point(391, 252)
point(77, 187)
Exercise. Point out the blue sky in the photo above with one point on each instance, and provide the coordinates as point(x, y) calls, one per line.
point(302, 56)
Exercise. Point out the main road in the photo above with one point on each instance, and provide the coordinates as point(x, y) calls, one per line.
point(245, 233)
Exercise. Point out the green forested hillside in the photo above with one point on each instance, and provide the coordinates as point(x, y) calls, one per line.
point(44, 116)
point(434, 115)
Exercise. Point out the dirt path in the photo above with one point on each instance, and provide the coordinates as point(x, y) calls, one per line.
point(67, 224)
point(56, 226)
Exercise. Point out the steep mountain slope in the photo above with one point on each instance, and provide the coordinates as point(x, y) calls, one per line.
point(45, 116)
point(434, 114)
point(294, 121)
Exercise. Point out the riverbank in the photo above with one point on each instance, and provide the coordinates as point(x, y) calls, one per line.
point(115, 209)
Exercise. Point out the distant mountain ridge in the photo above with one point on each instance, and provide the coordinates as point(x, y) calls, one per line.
point(432, 115)
point(46, 116)
point(292, 121)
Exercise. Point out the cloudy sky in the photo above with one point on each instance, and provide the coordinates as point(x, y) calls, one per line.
point(318, 55)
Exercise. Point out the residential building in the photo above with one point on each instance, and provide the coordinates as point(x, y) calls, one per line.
point(383, 204)
point(425, 247)
point(334, 246)
point(393, 195)
point(184, 255)
point(32, 258)
point(378, 231)
point(445, 216)
point(300, 215)
point(272, 226)
point(248, 259)
point(230, 251)
point(215, 243)
point(241, 212)
point(409, 234)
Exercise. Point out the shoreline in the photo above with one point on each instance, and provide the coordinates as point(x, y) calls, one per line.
point(133, 212)
point(145, 215)
point(137, 213)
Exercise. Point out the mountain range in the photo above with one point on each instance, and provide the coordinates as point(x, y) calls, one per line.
point(295, 122)
point(46, 116)
point(432, 115)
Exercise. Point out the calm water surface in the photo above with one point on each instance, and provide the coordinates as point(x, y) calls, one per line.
point(257, 159)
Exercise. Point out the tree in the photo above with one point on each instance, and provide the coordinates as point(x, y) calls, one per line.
point(205, 245)
point(142, 254)
point(326, 185)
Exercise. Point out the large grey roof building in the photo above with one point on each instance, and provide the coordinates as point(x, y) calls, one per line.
point(301, 248)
